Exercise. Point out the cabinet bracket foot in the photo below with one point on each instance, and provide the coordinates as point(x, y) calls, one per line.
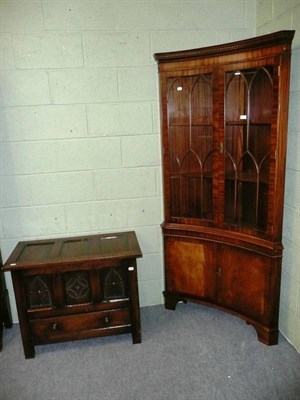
point(266, 335)
point(171, 301)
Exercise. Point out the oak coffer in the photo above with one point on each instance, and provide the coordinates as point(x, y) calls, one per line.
point(76, 288)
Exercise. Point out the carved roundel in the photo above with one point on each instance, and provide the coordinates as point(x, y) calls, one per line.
point(77, 287)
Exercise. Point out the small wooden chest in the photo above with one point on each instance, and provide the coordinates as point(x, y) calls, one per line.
point(76, 288)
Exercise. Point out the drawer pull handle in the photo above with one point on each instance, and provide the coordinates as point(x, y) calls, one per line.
point(54, 326)
point(106, 319)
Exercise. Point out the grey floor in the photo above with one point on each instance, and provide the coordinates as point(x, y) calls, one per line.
point(194, 353)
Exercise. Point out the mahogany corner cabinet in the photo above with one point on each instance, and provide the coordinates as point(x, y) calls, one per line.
point(224, 112)
point(76, 288)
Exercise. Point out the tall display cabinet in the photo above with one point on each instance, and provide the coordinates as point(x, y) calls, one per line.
point(224, 116)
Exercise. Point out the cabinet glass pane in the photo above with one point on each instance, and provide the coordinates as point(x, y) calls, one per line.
point(247, 147)
point(189, 109)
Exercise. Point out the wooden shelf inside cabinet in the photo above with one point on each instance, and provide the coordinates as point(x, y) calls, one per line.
point(224, 112)
point(248, 178)
point(245, 123)
point(191, 175)
point(76, 288)
point(193, 125)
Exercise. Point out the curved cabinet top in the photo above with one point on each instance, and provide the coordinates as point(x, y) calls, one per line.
point(273, 39)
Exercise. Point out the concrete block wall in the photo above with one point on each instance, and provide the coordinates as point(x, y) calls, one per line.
point(274, 15)
point(80, 142)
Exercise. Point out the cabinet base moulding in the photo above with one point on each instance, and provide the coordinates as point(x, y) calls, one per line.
point(268, 336)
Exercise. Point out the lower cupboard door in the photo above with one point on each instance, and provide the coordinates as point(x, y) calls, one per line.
point(190, 268)
point(244, 283)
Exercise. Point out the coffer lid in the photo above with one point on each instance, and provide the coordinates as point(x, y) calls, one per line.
point(89, 248)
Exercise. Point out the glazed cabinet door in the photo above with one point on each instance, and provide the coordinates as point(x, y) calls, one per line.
point(250, 134)
point(189, 147)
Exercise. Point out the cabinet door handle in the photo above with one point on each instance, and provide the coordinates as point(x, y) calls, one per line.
point(54, 326)
point(106, 319)
point(221, 148)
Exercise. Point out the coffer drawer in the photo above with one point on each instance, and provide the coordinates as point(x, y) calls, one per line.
point(48, 329)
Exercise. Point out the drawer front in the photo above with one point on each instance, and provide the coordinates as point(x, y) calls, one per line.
point(47, 329)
